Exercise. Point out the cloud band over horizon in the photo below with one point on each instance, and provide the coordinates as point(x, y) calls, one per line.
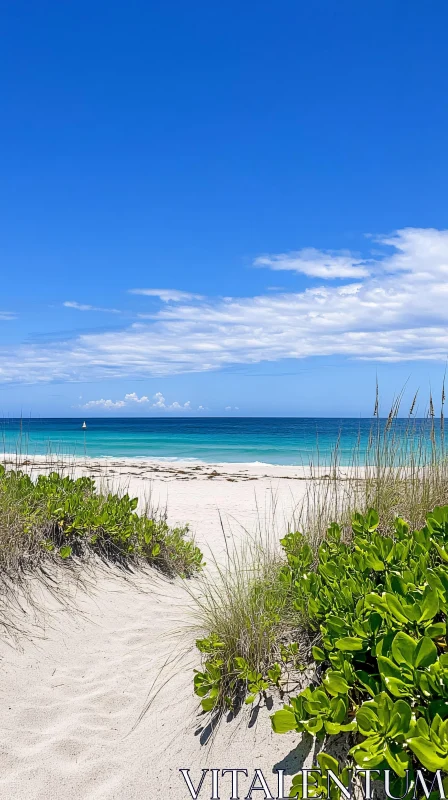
point(396, 310)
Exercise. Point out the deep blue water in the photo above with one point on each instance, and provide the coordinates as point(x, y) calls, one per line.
point(268, 440)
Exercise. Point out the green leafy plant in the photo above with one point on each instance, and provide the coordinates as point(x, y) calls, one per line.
point(256, 684)
point(430, 743)
point(207, 684)
point(317, 711)
point(379, 606)
point(66, 517)
point(318, 784)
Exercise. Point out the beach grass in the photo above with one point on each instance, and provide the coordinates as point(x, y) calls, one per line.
point(246, 619)
point(246, 614)
point(403, 470)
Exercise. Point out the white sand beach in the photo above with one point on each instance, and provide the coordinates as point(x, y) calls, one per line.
point(74, 689)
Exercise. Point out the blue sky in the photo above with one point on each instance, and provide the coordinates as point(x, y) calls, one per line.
point(272, 176)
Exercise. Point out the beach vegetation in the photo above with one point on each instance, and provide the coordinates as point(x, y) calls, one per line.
point(356, 608)
point(60, 517)
point(376, 607)
point(254, 635)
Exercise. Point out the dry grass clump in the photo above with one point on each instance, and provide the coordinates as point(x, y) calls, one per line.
point(245, 608)
point(402, 470)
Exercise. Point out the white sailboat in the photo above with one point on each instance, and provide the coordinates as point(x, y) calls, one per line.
point(84, 425)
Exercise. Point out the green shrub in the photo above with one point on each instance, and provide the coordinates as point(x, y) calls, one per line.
point(377, 608)
point(66, 517)
point(379, 604)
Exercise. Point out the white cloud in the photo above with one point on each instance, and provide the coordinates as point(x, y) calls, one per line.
point(107, 404)
point(398, 313)
point(85, 307)
point(159, 400)
point(168, 295)
point(325, 264)
point(6, 316)
point(132, 398)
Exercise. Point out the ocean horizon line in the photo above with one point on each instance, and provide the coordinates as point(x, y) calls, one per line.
point(172, 417)
point(292, 441)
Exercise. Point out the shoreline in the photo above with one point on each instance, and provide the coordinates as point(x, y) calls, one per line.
point(192, 468)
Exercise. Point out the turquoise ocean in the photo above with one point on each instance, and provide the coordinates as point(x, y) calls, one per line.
point(293, 441)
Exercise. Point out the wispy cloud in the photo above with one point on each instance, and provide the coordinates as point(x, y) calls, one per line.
point(85, 307)
point(157, 402)
point(6, 316)
point(325, 264)
point(399, 312)
point(168, 295)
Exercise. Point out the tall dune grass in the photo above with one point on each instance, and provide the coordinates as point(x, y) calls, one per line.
point(246, 608)
point(401, 471)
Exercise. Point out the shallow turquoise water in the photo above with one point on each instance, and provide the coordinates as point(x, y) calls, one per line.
point(292, 441)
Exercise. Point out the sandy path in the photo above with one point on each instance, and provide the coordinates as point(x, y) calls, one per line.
point(73, 694)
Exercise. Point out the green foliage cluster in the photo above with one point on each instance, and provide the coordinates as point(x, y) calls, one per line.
point(318, 785)
point(229, 681)
point(67, 517)
point(379, 604)
point(377, 608)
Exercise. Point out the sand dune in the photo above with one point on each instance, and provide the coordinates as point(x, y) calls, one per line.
point(74, 691)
